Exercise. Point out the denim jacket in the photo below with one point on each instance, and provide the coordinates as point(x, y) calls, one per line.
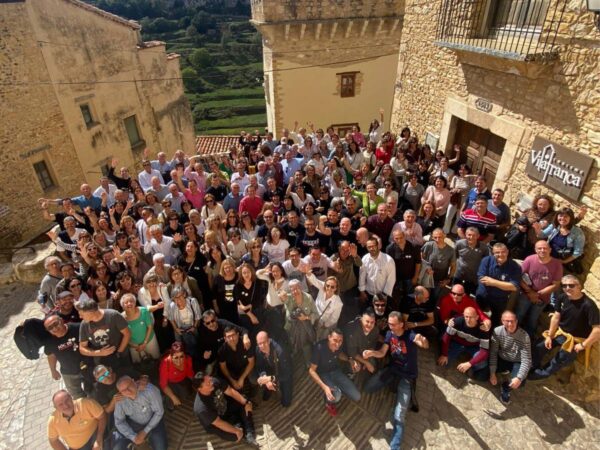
point(575, 239)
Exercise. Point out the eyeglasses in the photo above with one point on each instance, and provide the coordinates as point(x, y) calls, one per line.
point(457, 293)
point(330, 286)
point(256, 246)
point(210, 322)
point(102, 377)
point(569, 285)
point(75, 285)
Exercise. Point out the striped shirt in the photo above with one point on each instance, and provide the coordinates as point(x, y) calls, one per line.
point(514, 347)
point(485, 224)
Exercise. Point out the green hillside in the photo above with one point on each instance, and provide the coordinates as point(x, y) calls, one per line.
point(221, 57)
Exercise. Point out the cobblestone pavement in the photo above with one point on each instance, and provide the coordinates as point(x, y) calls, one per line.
point(455, 414)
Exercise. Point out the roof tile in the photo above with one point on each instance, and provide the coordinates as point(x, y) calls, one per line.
point(215, 145)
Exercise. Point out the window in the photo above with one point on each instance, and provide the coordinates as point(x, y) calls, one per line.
point(519, 15)
point(86, 112)
point(348, 83)
point(342, 128)
point(43, 174)
point(132, 131)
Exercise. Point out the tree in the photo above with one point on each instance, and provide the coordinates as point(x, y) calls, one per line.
point(200, 58)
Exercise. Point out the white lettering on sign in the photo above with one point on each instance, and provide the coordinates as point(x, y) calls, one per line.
point(546, 163)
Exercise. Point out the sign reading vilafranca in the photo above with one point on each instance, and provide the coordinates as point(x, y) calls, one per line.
point(558, 167)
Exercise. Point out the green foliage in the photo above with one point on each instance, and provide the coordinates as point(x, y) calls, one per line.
point(200, 59)
point(221, 53)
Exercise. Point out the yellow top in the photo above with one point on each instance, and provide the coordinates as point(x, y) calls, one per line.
point(79, 429)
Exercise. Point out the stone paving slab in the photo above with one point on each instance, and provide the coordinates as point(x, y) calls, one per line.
point(455, 414)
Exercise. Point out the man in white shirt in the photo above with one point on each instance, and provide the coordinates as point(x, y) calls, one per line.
point(163, 244)
point(107, 187)
point(377, 274)
point(145, 176)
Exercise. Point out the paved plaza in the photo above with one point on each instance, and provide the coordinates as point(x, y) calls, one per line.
point(454, 413)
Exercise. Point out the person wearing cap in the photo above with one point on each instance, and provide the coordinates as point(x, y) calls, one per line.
point(79, 423)
point(62, 346)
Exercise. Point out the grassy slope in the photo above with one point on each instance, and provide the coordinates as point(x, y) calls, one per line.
point(225, 98)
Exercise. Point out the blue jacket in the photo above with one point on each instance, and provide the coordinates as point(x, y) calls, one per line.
point(575, 239)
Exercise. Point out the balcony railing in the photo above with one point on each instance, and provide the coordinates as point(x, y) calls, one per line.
point(524, 30)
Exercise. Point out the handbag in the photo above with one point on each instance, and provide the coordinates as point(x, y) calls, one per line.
point(455, 198)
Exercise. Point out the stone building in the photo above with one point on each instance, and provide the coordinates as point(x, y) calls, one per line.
point(77, 87)
point(329, 62)
point(508, 79)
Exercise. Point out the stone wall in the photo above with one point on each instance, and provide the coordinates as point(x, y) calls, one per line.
point(318, 40)
point(558, 100)
point(33, 129)
point(64, 54)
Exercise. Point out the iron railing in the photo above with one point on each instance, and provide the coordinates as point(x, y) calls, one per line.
point(517, 29)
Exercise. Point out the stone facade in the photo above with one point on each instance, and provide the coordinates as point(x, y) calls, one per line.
point(557, 99)
point(311, 43)
point(64, 55)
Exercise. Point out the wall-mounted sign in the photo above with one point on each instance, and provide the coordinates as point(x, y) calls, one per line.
point(483, 104)
point(432, 140)
point(558, 167)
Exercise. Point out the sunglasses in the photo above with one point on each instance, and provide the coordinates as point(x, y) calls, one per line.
point(210, 322)
point(178, 357)
point(457, 293)
point(569, 285)
point(102, 377)
point(330, 286)
point(75, 285)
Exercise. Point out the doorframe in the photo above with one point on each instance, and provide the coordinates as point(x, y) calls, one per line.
point(513, 131)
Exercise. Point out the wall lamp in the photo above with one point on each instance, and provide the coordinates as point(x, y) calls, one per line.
point(594, 6)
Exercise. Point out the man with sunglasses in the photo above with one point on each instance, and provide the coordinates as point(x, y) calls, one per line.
point(62, 346)
point(454, 304)
point(211, 336)
point(65, 308)
point(574, 327)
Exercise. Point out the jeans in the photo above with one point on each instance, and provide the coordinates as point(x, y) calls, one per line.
point(528, 314)
point(560, 360)
point(157, 437)
point(378, 381)
point(455, 350)
point(340, 384)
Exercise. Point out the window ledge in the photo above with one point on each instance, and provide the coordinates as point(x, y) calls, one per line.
point(138, 145)
point(92, 125)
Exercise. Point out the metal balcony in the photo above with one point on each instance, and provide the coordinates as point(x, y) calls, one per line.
point(523, 30)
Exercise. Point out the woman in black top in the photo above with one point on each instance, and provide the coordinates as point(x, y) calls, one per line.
point(223, 285)
point(249, 295)
point(193, 262)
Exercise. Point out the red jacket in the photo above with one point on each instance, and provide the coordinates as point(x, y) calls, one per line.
point(449, 308)
point(168, 373)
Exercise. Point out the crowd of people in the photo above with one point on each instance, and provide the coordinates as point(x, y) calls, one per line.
point(209, 279)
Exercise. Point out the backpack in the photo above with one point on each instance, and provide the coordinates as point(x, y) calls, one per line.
point(30, 336)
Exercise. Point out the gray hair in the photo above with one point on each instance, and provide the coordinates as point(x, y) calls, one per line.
point(177, 291)
point(156, 227)
point(49, 260)
point(158, 256)
point(126, 297)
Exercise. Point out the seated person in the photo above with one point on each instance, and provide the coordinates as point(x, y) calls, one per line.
point(235, 361)
point(418, 313)
point(574, 327)
point(454, 304)
point(274, 368)
point(175, 373)
point(79, 423)
point(326, 372)
point(360, 335)
point(464, 335)
point(139, 415)
point(510, 351)
point(218, 407)
point(211, 336)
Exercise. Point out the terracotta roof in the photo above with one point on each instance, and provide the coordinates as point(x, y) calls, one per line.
point(128, 23)
point(215, 145)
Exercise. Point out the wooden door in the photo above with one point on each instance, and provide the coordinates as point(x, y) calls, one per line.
point(483, 149)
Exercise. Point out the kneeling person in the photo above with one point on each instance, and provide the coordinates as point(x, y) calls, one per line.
point(218, 407)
